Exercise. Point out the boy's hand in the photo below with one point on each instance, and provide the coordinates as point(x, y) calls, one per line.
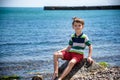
point(90, 60)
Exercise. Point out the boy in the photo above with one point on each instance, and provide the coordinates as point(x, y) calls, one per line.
point(74, 52)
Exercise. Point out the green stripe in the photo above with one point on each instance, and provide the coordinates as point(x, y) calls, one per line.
point(70, 42)
point(73, 35)
point(80, 52)
point(88, 43)
point(83, 36)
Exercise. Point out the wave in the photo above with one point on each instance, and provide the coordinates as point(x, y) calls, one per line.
point(31, 43)
point(25, 65)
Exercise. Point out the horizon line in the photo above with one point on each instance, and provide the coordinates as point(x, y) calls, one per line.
point(59, 6)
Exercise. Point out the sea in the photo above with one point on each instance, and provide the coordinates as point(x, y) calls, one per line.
point(30, 36)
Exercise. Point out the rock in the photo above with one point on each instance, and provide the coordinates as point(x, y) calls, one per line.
point(81, 70)
point(86, 71)
point(38, 77)
point(12, 77)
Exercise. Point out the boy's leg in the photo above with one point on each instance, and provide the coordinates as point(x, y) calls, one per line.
point(57, 55)
point(68, 68)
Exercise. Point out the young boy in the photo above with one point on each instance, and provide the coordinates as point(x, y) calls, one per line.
point(74, 51)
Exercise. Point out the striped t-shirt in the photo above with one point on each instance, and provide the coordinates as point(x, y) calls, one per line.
point(79, 43)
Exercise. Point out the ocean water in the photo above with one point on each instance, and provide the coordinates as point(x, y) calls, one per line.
point(30, 36)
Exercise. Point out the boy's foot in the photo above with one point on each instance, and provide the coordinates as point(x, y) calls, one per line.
point(55, 76)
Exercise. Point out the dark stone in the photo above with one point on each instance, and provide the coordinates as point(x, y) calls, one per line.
point(37, 78)
point(80, 70)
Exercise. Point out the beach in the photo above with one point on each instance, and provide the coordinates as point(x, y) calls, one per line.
point(30, 36)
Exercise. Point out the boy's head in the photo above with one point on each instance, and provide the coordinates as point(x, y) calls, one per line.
point(78, 20)
point(77, 24)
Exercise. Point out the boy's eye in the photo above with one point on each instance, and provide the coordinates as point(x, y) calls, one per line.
point(80, 25)
point(75, 25)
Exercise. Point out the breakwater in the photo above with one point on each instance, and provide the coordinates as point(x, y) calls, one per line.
point(82, 7)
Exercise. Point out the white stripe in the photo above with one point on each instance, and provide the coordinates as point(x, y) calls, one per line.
point(79, 44)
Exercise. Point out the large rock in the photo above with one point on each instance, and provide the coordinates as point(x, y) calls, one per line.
point(81, 70)
point(38, 77)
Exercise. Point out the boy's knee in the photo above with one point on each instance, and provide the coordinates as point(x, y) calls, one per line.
point(56, 54)
point(72, 62)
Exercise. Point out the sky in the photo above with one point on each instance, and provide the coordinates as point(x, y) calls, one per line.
point(41, 3)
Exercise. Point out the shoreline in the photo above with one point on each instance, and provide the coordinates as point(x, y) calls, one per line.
point(111, 73)
point(109, 7)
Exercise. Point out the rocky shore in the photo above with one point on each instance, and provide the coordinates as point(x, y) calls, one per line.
point(112, 73)
point(82, 71)
point(86, 71)
point(95, 71)
point(108, 74)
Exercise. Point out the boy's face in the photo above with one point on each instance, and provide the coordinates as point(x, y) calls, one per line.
point(77, 27)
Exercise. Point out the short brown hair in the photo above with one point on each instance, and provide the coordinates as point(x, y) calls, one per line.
point(78, 20)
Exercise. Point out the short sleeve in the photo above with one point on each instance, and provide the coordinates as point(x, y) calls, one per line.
point(87, 41)
point(70, 42)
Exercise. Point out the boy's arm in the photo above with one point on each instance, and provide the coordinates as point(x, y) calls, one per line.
point(90, 54)
point(90, 51)
point(65, 49)
point(68, 48)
